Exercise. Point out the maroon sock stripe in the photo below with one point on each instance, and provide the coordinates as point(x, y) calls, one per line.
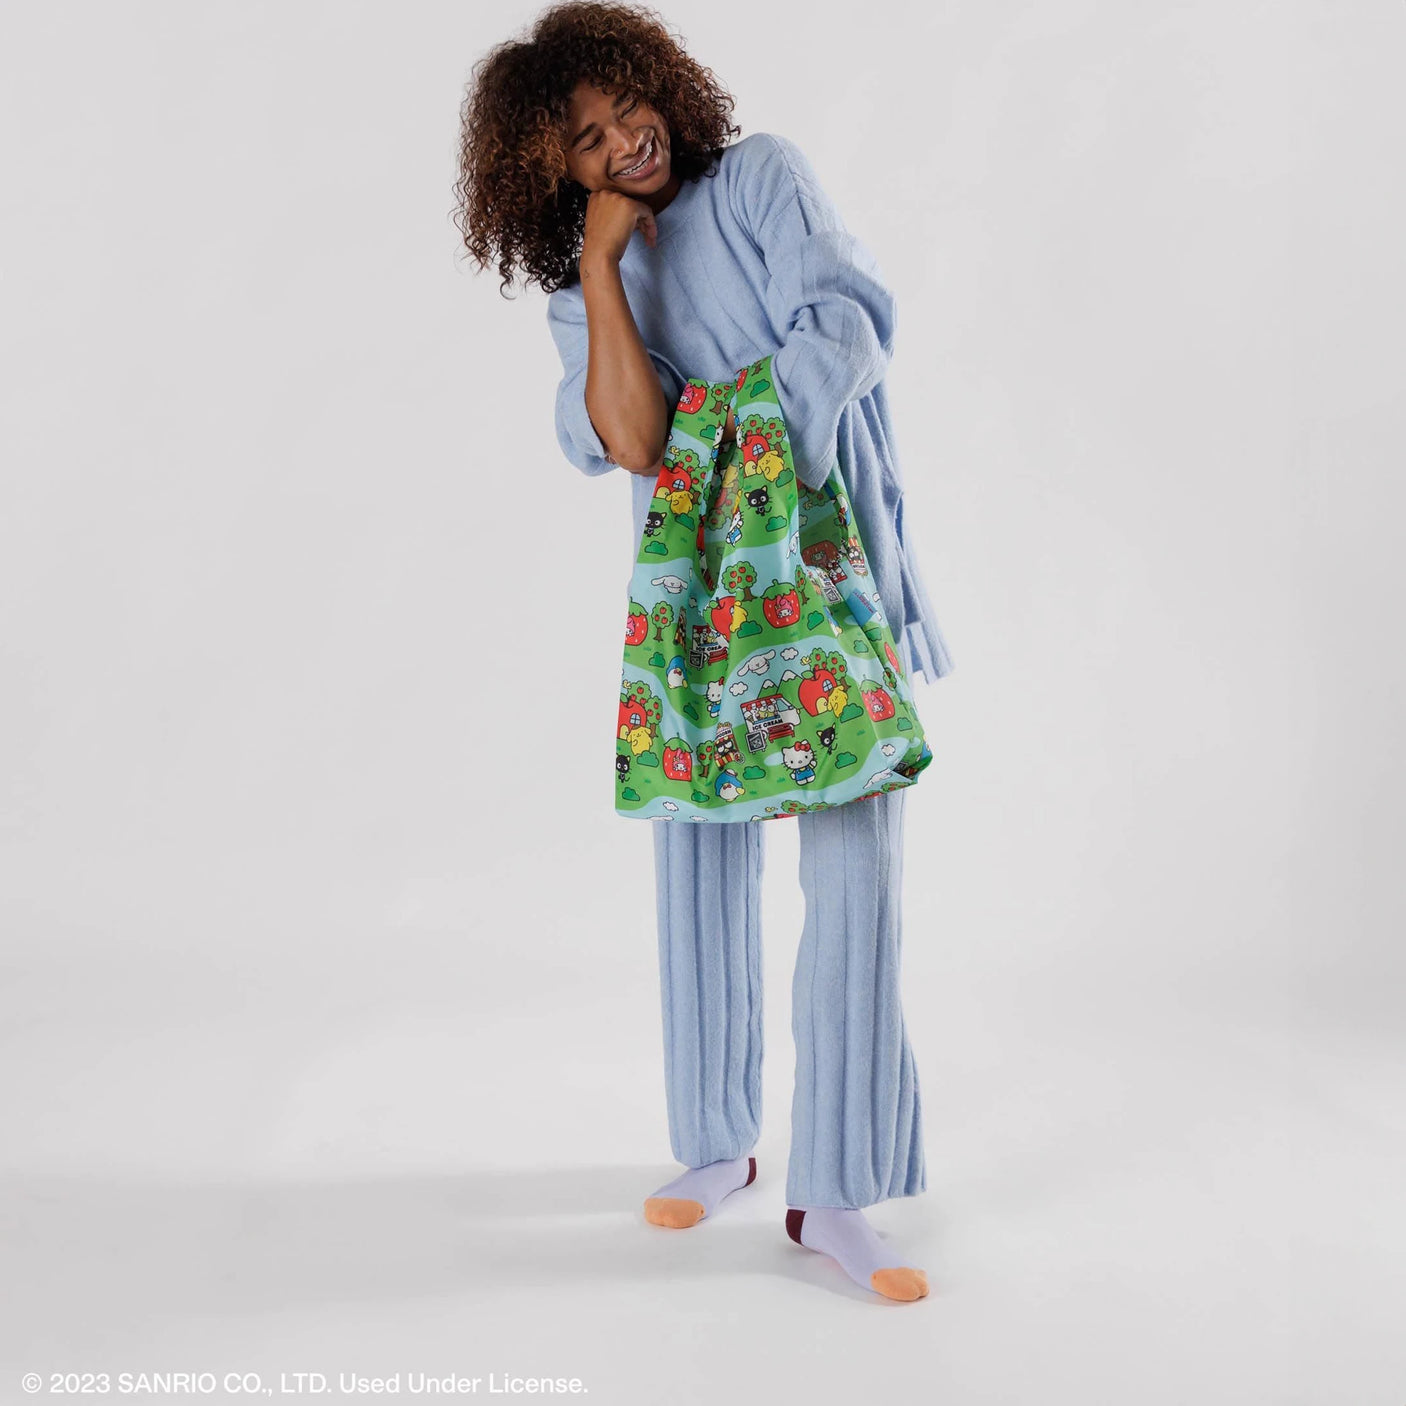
point(793, 1223)
point(751, 1171)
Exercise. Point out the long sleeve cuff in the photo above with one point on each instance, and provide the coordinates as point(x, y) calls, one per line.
point(577, 436)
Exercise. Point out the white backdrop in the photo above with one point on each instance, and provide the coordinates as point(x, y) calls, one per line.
point(331, 1024)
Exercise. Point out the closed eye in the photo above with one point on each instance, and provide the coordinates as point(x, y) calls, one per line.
point(625, 113)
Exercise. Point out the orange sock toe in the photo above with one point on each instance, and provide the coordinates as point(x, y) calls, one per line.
point(698, 1191)
point(677, 1212)
point(904, 1284)
point(843, 1233)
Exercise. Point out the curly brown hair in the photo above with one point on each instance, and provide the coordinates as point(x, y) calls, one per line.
point(515, 201)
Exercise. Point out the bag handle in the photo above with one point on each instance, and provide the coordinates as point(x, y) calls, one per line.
point(706, 488)
point(731, 404)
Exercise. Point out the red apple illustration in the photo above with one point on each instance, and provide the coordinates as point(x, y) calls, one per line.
point(631, 716)
point(721, 615)
point(815, 692)
point(675, 478)
point(753, 447)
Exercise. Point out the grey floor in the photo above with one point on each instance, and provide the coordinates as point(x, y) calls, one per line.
point(391, 1152)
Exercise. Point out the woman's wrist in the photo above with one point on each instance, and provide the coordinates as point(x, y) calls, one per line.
point(593, 265)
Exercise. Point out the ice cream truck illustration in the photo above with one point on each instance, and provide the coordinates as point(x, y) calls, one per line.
point(709, 647)
point(767, 718)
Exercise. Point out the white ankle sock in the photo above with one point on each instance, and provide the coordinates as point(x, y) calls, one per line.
point(842, 1233)
point(696, 1192)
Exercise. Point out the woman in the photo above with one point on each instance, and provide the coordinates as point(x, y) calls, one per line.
point(594, 159)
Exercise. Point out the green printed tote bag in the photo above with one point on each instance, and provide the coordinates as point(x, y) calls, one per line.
point(761, 678)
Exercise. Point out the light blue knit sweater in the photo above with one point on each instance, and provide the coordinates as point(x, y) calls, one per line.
point(751, 260)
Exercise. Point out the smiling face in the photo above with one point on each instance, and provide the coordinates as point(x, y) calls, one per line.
point(607, 135)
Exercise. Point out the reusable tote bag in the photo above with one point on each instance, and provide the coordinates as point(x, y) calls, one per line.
point(760, 677)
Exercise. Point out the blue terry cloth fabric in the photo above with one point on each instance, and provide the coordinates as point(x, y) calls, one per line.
point(856, 1114)
point(751, 260)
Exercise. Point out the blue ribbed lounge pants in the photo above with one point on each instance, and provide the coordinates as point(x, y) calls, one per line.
point(856, 1117)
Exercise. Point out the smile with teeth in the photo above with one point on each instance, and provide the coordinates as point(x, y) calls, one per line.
point(642, 163)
